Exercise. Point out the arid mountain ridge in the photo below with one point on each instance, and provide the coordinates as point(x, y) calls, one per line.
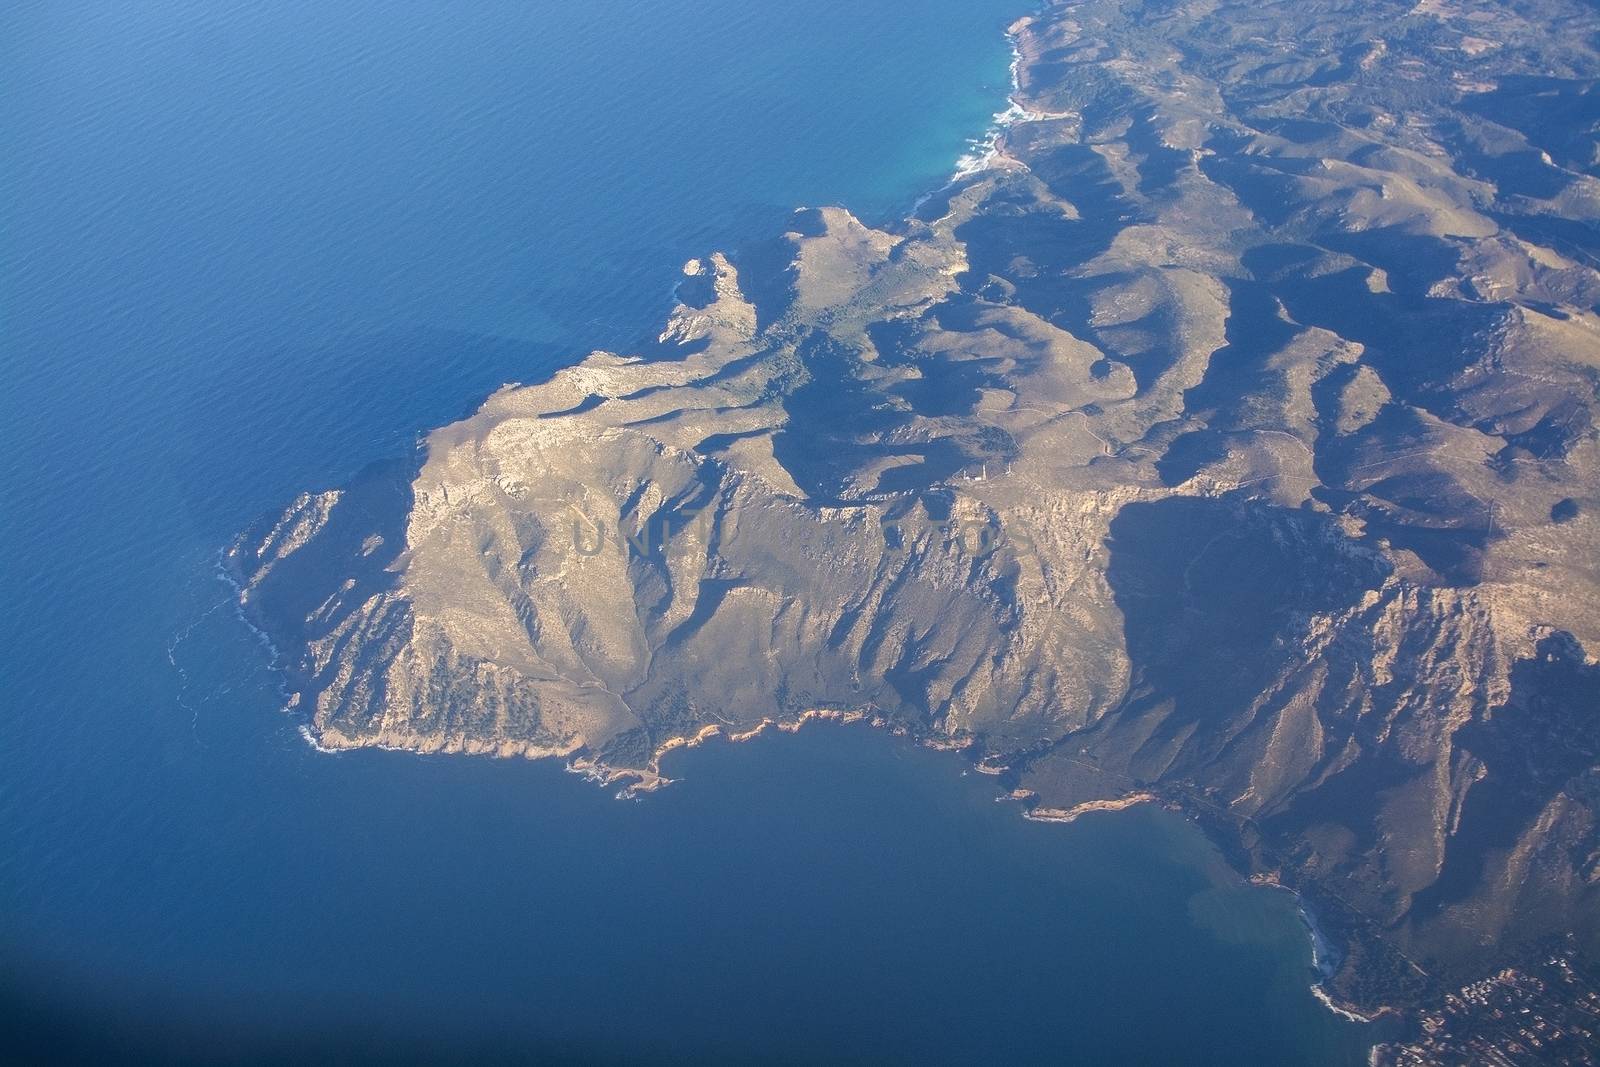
point(1228, 437)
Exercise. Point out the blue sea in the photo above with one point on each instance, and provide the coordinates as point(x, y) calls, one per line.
point(249, 247)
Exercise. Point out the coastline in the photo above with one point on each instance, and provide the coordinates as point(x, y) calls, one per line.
point(635, 784)
point(1077, 811)
point(1325, 956)
point(987, 151)
point(986, 154)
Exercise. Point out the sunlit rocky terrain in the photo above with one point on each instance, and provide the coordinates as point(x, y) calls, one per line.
point(1225, 438)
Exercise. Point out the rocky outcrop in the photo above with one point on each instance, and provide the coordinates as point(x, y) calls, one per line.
point(1227, 439)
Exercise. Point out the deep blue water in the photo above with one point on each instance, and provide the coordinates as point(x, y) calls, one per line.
point(248, 248)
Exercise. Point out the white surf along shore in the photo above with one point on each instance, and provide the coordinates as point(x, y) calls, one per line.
point(987, 152)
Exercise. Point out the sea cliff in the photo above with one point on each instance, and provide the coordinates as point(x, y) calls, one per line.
point(1222, 435)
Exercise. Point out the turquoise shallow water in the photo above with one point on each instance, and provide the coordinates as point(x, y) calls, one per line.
point(250, 247)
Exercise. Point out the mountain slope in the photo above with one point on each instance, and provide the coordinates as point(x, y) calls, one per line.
point(1228, 438)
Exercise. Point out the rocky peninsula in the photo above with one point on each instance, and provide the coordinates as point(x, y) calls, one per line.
point(1223, 437)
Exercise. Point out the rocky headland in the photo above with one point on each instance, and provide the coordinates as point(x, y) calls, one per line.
point(1223, 437)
